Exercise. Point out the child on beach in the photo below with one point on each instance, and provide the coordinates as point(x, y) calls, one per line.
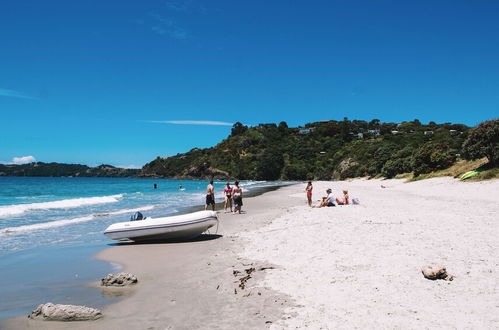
point(228, 197)
point(344, 200)
point(308, 189)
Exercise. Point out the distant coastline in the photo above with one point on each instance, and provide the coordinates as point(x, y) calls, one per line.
point(40, 169)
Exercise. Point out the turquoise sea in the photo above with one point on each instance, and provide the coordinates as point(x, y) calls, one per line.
point(51, 227)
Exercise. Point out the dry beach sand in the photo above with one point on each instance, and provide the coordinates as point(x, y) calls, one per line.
point(356, 266)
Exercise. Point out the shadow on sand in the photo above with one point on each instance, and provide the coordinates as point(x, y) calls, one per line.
point(200, 238)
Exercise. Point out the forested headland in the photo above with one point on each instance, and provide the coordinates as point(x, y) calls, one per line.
point(334, 150)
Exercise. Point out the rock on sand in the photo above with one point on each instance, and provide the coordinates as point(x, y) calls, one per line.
point(56, 312)
point(120, 279)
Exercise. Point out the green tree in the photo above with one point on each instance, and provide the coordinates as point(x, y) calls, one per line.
point(238, 128)
point(431, 157)
point(269, 165)
point(483, 141)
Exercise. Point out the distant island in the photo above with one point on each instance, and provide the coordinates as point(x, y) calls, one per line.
point(325, 150)
point(66, 170)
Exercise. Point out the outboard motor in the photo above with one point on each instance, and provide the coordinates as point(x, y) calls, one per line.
point(137, 216)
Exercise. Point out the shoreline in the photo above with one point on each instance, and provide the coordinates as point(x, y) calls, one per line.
point(123, 266)
point(338, 267)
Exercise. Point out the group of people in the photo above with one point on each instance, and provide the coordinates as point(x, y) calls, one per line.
point(231, 195)
point(329, 199)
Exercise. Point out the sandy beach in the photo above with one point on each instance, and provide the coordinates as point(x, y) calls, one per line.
point(355, 266)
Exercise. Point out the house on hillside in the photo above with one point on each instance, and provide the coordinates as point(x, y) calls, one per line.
point(356, 136)
point(267, 125)
point(375, 132)
point(305, 130)
point(428, 132)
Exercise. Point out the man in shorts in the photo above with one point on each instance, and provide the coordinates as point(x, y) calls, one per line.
point(210, 196)
point(329, 199)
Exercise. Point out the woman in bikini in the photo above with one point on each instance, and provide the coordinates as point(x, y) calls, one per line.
point(308, 189)
point(344, 200)
point(228, 197)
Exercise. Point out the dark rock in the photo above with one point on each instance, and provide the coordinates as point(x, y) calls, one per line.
point(120, 279)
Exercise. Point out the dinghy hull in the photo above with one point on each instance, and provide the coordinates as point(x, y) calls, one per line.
point(179, 227)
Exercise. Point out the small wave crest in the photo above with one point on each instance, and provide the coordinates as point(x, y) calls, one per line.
point(65, 222)
point(61, 204)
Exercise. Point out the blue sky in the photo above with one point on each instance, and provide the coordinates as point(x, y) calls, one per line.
point(108, 81)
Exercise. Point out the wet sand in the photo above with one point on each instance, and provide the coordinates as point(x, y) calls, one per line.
point(355, 266)
point(190, 285)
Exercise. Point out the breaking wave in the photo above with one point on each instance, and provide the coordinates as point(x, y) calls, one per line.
point(62, 204)
point(65, 222)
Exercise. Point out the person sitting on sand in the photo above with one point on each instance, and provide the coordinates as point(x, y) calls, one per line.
point(344, 200)
point(329, 199)
point(237, 194)
point(228, 197)
point(308, 189)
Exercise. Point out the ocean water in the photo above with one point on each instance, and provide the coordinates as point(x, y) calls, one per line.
point(51, 227)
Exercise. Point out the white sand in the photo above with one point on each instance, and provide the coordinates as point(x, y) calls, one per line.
point(359, 266)
point(336, 268)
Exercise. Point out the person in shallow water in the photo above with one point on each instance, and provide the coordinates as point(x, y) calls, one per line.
point(237, 195)
point(210, 196)
point(228, 197)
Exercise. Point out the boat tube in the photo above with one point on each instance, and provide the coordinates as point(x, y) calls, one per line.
point(184, 226)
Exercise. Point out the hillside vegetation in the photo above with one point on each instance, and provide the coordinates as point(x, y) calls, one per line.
point(326, 150)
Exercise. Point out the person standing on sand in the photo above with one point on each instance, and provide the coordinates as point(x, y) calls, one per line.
point(228, 197)
point(210, 196)
point(309, 193)
point(237, 194)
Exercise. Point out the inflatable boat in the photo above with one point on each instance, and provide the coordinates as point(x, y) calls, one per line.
point(179, 227)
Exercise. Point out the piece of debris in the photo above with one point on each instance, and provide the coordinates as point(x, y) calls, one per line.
point(243, 280)
point(235, 291)
point(120, 279)
point(436, 273)
point(57, 312)
point(236, 272)
point(249, 270)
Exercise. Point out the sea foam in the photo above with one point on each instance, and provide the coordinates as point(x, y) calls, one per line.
point(65, 222)
point(61, 204)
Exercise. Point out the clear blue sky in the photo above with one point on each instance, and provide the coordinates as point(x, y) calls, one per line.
point(89, 81)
